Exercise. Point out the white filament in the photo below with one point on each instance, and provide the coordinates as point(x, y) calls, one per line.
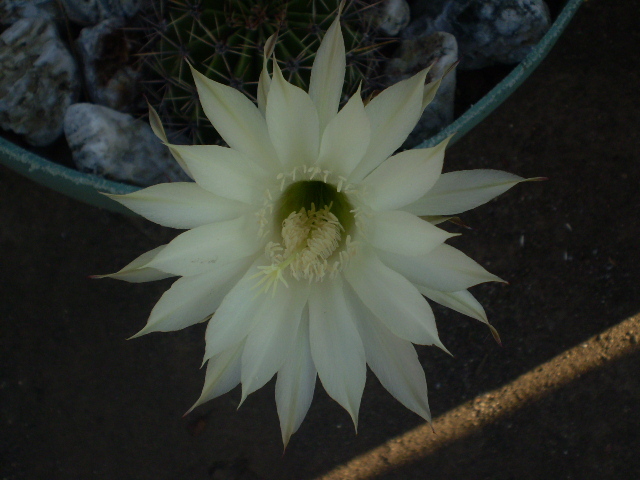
point(309, 240)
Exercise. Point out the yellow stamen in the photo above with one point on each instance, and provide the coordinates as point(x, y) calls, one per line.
point(309, 239)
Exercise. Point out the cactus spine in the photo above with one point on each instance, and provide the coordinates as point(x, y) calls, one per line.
point(224, 39)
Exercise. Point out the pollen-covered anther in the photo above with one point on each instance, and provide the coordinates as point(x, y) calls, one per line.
point(310, 237)
point(309, 240)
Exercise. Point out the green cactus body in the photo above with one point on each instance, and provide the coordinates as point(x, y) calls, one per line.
point(224, 39)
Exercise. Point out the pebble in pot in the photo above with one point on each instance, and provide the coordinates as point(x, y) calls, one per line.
point(91, 12)
point(107, 59)
point(13, 10)
point(439, 50)
point(39, 79)
point(488, 31)
point(118, 146)
point(391, 16)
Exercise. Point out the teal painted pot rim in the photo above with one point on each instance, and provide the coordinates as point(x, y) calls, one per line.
point(87, 187)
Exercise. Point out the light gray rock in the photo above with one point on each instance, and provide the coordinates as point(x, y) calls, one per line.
point(391, 16)
point(39, 80)
point(488, 31)
point(427, 8)
point(118, 146)
point(91, 12)
point(439, 50)
point(110, 77)
point(13, 10)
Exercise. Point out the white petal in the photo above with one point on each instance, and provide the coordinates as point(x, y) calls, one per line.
point(446, 269)
point(137, 271)
point(158, 130)
point(204, 248)
point(336, 347)
point(438, 219)
point(270, 341)
point(191, 300)
point(405, 177)
point(393, 299)
point(430, 90)
point(346, 138)
point(237, 314)
point(293, 122)
point(393, 115)
point(180, 205)
point(236, 118)
point(395, 363)
point(264, 82)
point(223, 374)
point(327, 74)
point(457, 192)
point(296, 383)
point(461, 301)
point(225, 172)
point(404, 233)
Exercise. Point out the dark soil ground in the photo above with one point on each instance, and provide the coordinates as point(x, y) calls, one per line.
point(78, 401)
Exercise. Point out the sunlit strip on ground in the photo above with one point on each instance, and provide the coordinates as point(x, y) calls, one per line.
point(464, 420)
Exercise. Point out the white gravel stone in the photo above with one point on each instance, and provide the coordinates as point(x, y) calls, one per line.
point(91, 12)
point(107, 60)
point(488, 31)
point(391, 16)
point(118, 146)
point(39, 79)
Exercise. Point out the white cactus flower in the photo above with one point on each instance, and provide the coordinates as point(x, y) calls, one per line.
point(305, 251)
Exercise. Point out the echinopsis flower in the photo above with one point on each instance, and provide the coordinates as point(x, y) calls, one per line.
point(305, 249)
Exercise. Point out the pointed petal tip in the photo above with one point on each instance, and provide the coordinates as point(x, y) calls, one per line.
point(448, 139)
point(536, 179)
point(496, 279)
point(152, 111)
point(453, 66)
point(423, 74)
point(458, 221)
point(190, 410)
point(242, 399)
point(441, 346)
point(496, 335)
point(205, 359)
point(436, 342)
point(194, 406)
point(195, 73)
point(116, 197)
point(286, 437)
point(341, 7)
point(139, 334)
point(277, 73)
point(103, 275)
point(425, 413)
point(270, 44)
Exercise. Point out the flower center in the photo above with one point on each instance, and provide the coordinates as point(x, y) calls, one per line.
point(308, 194)
point(314, 220)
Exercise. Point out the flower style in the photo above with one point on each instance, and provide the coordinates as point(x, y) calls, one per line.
point(304, 238)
